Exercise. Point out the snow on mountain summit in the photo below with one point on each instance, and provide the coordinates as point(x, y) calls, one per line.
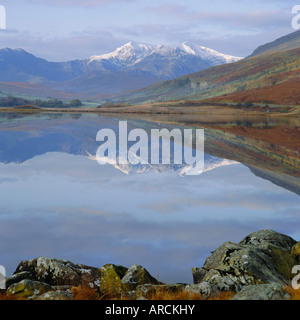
point(163, 49)
point(131, 53)
point(210, 55)
point(127, 55)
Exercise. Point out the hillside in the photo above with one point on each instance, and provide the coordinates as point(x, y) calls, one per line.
point(236, 78)
point(288, 42)
point(138, 73)
point(284, 93)
point(38, 90)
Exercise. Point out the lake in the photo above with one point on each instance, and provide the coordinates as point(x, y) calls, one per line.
point(57, 201)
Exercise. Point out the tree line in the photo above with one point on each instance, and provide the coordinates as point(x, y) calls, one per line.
point(11, 101)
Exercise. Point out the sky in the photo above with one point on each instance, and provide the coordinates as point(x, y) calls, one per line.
point(60, 30)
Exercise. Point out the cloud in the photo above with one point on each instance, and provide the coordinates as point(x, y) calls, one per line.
point(81, 3)
point(159, 33)
point(77, 45)
point(229, 27)
point(167, 9)
point(254, 19)
point(240, 42)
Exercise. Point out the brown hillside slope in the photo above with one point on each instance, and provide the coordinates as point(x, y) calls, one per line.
point(285, 93)
point(244, 75)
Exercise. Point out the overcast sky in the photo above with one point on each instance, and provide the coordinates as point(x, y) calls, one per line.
point(68, 29)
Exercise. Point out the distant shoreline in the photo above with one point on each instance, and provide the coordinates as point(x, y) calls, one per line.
point(168, 109)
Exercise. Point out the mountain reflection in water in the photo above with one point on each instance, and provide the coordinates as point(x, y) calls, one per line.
point(57, 202)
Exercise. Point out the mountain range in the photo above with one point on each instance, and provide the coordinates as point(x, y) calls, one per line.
point(129, 67)
point(139, 73)
point(270, 75)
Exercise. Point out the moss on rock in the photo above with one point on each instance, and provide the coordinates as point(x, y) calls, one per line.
point(28, 288)
point(111, 275)
point(296, 252)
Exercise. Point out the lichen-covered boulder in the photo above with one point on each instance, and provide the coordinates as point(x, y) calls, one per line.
point(17, 277)
point(60, 272)
point(54, 295)
point(263, 257)
point(28, 288)
point(110, 284)
point(203, 289)
point(271, 291)
point(137, 275)
point(265, 238)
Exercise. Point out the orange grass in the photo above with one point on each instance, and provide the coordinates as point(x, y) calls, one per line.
point(169, 295)
point(226, 295)
point(295, 294)
point(84, 292)
point(4, 296)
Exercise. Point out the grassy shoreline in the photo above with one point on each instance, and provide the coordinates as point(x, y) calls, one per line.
point(168, 109)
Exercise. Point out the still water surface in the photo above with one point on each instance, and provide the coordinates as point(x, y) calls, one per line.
point(57, 201)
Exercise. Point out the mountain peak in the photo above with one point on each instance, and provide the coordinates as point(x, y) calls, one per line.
point(163, 49)
point(126, 55)
point(10, 50)
point(15, 54)
point(213, 56)
point(187, 48)
point(130, 44)
point(132, 53)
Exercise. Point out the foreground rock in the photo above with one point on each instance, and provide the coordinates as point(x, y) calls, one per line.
point(59, 272)
point(118, 281)
point(263, 257)
point(18, 277)
point(296, 252)
point(53, 295)
point(271, 291)
point(28, 288)
point(137, 275)
point(53, 279)
point(257, 268)
point(111, 276)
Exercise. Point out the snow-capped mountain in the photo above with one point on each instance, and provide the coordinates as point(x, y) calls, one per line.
point(169, 63)
point(154, 63)
point(213, 57)
point(132, 53)
point(210, 163)
point(130, 67)
point(125, 56)
point(165, 50)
